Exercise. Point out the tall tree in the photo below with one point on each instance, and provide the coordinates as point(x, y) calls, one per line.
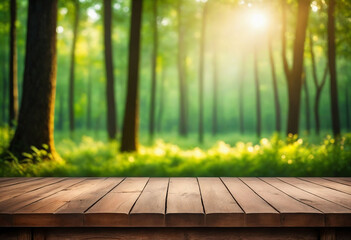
point(183, 128)
point(258, 95)
point(36, 117)
point(13, 94)
point(131, 114)
point(294, 74)
point(89, 99)
point(275, 85)
point(201, 72)
point(307, 102)
point(347, 109)
point(241, 94)
point(110, 89)
point(4, 89)
point(215, 88)
point(161, 101)
point(317, 83)
point(72, 67)
point(332, 69)
point(153, 71)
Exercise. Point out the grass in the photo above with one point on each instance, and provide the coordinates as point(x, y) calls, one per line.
point(265, 157)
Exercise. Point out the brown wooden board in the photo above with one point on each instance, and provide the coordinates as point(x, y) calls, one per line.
point(150, 208)
point(346, 181)
point(335, 215)
point(330, 184)
point(184, 205)
point(292, 212)
point(332, 195)
point(258, 213)
point(220, 207)
point(114, 208)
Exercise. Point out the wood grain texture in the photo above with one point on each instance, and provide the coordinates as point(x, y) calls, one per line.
point(258, 213)
point(175, 202)
point(184, 205)
point(335, 215)
point(332, 195)
point(292, 212)
point(114, 208)
point(220, 207)
point(151, 204)
point(330, 184)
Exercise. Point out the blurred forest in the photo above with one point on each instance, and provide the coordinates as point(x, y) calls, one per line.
point(175, 87)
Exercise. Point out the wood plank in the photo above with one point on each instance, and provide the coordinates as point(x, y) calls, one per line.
point(16, 180)
point(220, 207)
point(114, 208)
point(151, 204)
point(329, 184)
point(21, 189)
point(335, 215)
point(258, 213)
point(184, 206)
point(346, 181)
point(41, 213)
point(293, 213)
point(13, 204)
point(83, 201)
point(332, 195)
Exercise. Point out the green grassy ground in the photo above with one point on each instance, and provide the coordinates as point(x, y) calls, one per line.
point(233, 156)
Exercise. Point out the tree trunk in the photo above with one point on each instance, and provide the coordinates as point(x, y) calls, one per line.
point(131, 114)
point(154, 73)
point(13, 94)
point(318, 85)
point(201, 74)
point(241, 95)
point(72, 66)
point(258, 97)
point(4, 90)
point(161, 101)
point(347, 109)
point(307, 103)
point(332, 69)
point(181, 74)
point(215, 88)
point(36, 117)
point(61, 114)
point(294, 75)
point(89, 96)
point(275, 87)
point(110, 89)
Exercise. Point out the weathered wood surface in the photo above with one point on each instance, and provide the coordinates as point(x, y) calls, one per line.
point(175, 202)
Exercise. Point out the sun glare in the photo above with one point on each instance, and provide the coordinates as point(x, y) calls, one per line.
point(258, 20)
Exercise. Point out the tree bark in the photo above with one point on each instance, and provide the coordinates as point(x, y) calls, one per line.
point(307, 103)
point(294, 75)
point(241, 95)
point(4, 89)
point(131, 115)
point(72, 67)
point(13, 90)
point(154, 73)
point(318, 85)
point(347, 109)
point(215, 88)
point(332, 69)
point(275, 87)
point(36, 117)
point(89, 96)
point(110, 88)
point(201, 73)
point(258, 95)
point(161, 101)
point(183, 128)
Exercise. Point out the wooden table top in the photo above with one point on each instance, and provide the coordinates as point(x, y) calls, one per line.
point(175, 202)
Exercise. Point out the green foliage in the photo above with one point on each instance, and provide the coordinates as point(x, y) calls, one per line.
point(269, 157)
